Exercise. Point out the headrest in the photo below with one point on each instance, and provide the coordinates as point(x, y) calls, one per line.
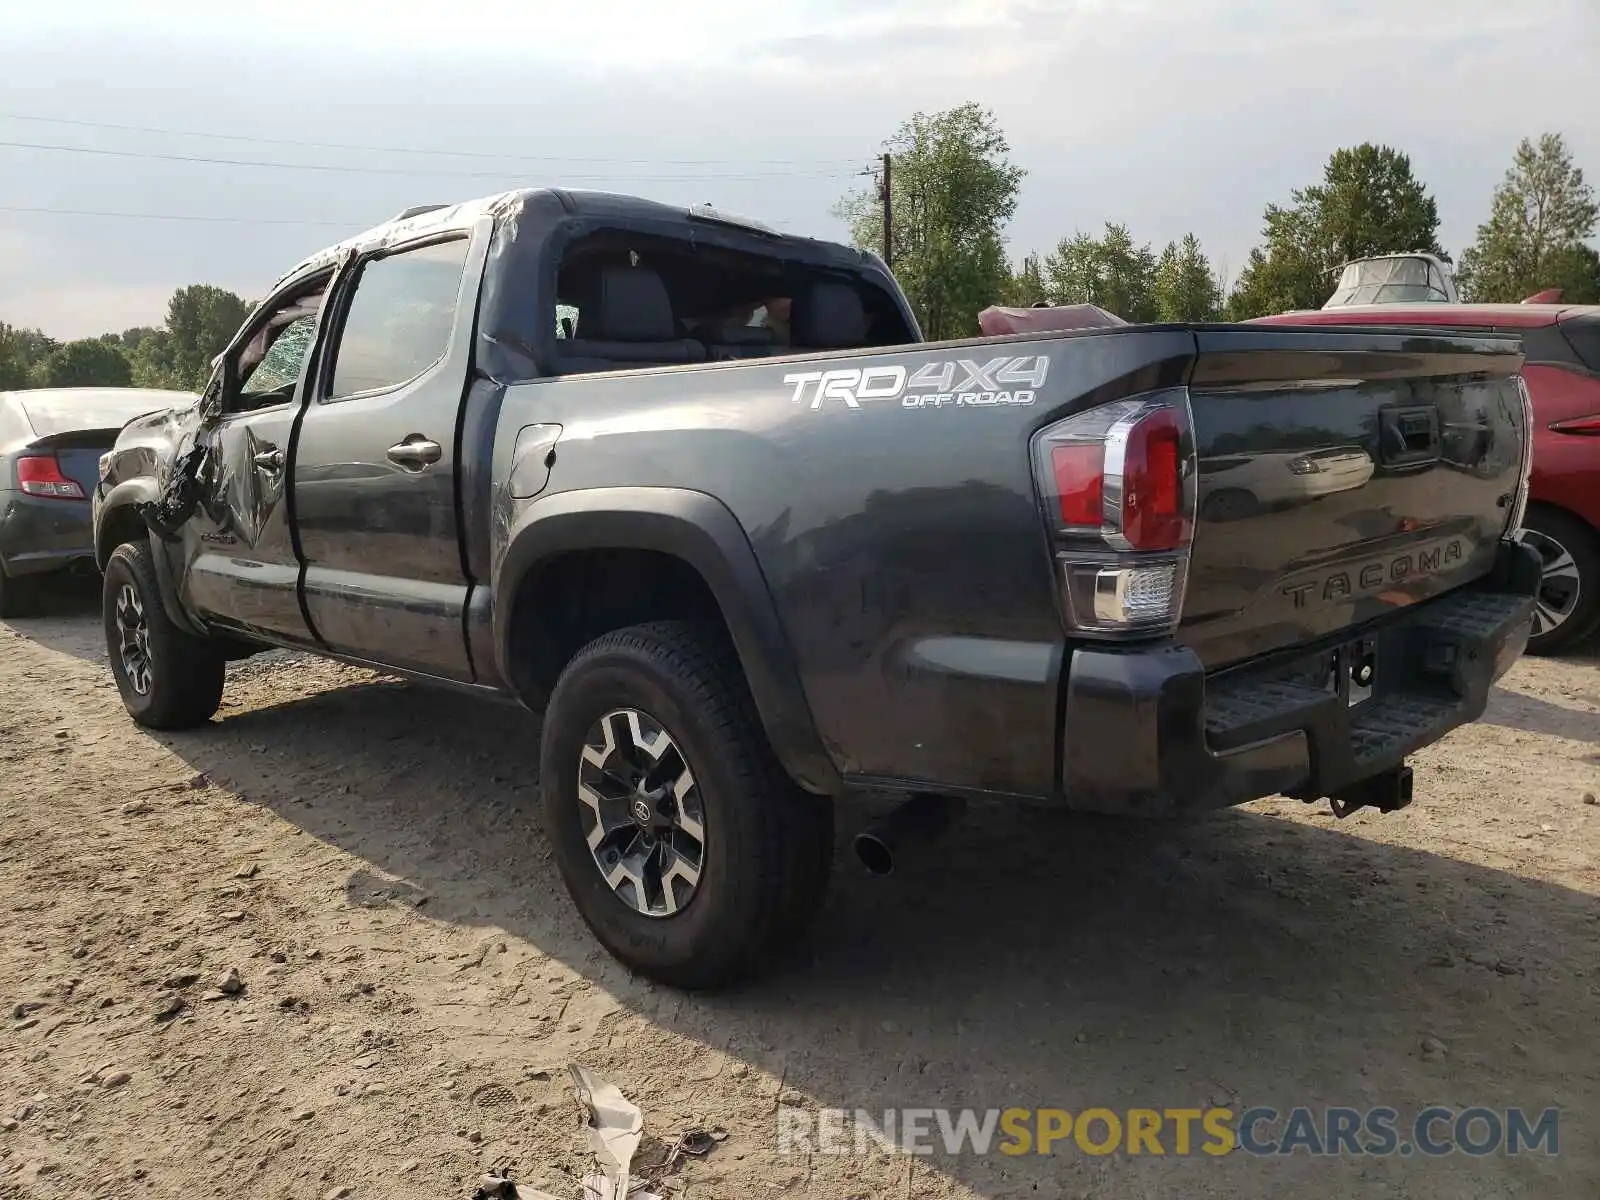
point(626, 304)
point(828, 316)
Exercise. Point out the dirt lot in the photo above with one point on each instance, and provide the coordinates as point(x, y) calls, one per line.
point(415, 981)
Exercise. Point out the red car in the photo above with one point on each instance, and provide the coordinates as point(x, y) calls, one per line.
point(1561, 346)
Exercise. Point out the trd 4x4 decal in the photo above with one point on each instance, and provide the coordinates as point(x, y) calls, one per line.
point(951, 382)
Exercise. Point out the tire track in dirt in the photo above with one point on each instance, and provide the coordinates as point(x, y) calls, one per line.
point(364, 853)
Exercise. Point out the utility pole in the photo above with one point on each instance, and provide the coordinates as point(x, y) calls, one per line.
point(886, 194)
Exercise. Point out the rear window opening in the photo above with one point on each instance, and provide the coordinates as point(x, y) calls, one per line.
point(632, 300)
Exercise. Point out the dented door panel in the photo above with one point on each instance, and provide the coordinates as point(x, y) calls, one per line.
point(242, 569)
point(241, 558)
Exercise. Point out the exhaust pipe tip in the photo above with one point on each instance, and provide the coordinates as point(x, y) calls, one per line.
point(919, 821)
point(874, 854)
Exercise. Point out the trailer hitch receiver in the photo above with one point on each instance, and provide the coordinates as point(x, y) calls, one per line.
point(1388, 791)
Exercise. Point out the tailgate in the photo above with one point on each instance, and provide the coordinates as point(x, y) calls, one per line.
point(1343, 475)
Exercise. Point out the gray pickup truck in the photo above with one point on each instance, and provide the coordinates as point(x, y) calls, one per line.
point(696, 492)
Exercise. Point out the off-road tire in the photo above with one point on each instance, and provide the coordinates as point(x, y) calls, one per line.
point(769, 843)
point(19, 595)
point(1583, 544)
point(186, 672)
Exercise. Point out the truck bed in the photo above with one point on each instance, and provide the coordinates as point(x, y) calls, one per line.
point(891, 503)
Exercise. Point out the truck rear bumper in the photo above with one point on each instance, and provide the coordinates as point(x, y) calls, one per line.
point(1149, 733)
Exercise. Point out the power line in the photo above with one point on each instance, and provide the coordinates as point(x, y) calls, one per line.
point(345, 169)
point(475, 154)
point(88, 212)
point(355, 226)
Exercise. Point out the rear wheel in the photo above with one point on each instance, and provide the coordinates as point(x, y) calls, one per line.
point(687, 849)
point(1568, 604)
point(168, 677)
point(19, 595)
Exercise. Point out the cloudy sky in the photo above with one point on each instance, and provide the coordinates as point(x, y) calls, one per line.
point(1171, 115)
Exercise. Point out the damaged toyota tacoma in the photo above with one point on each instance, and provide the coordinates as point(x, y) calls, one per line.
point(696, 493)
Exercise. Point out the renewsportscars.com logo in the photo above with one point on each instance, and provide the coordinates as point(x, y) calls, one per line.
point(1179, 1132)
point(956, 382)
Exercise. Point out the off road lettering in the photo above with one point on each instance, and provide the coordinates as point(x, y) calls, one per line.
point(952, 383)
point(850, 386)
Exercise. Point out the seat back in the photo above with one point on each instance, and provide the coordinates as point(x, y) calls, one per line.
point(625, 318)
point(828, 316)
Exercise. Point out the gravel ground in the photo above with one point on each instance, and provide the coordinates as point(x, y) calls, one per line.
point(411, 981)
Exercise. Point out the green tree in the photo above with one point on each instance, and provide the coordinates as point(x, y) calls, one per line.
point(24, 346)
point(12, 373)
point(1576, 271)
point(1368, 202)
point(1026, 288)
point(1111, 271)
point(152, 362)
point(1289, 276)
point(200, 321)
point(1186, 288)
point(90, 362)
point(149, 354)
point(1542, 213)
point(953, 190)
point(132, 338)
point(13, 366)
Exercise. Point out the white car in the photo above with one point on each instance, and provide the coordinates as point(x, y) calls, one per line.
point(1242, 485)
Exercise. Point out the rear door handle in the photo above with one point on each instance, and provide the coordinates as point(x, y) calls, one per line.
point(269, 460)
point(416, 452)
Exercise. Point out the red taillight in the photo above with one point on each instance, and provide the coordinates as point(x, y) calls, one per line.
point(40, 475)
point(1589, 425)
point(1079, 471)
point(1147, 511)
point(1118, 485)
point(1152, 491)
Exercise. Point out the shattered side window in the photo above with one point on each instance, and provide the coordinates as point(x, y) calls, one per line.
point(566, 322)
point(285, 360)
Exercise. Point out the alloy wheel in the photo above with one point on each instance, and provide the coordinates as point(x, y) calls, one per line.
point(641, 813)
point(133, 639)
point(1561, 586)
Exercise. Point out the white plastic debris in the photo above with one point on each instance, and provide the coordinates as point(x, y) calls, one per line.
point(615, 1126)
point(598, 1187)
